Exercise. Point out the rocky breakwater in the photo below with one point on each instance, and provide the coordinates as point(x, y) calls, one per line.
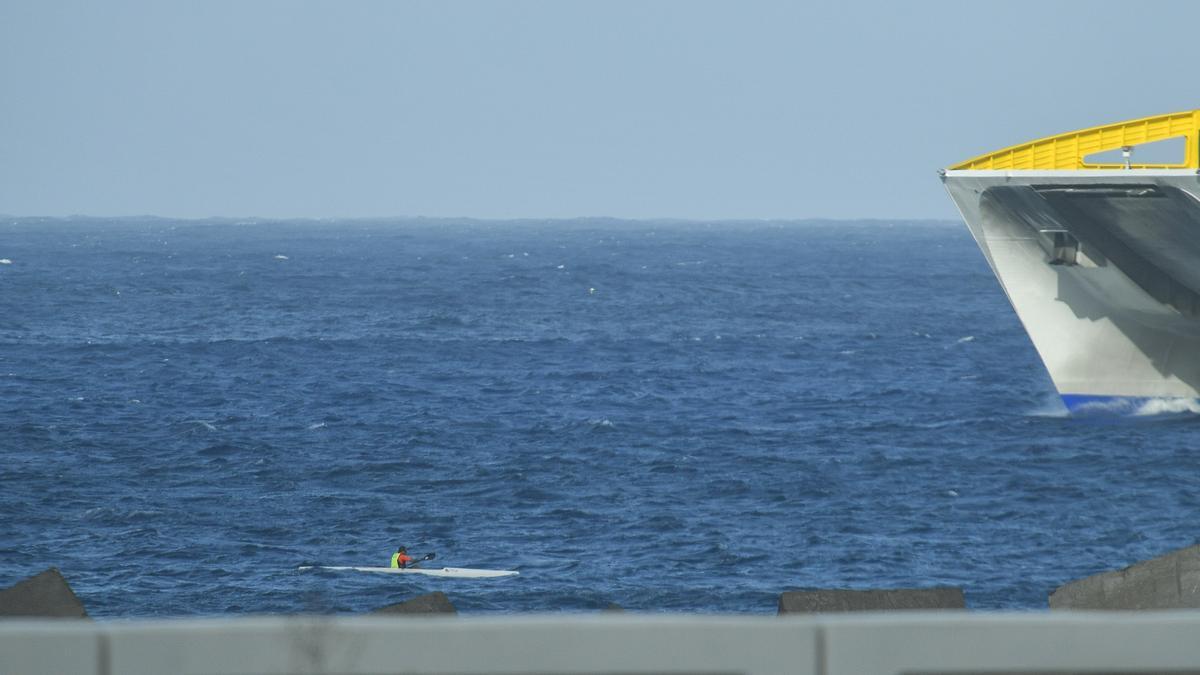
point(46, 594)
point(886, 600)
point(1171, 581)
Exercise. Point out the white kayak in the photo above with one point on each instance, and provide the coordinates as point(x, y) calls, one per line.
point(460, 572)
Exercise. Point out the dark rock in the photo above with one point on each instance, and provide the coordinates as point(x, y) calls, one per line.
point(430, 603)
point(46, 595)
point(1171, 581)
point(840, 600)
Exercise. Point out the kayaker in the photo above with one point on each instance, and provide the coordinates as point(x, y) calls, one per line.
point(401, 558)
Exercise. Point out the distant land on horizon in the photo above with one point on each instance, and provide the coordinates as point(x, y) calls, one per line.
point(610, 220)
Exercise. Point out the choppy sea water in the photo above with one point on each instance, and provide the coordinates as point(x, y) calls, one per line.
point(666, 416)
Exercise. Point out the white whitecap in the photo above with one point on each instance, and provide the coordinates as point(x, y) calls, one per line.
point(5, 261)
point(1052, 406)
point(1168, 406)
point(281, 257)
point(1113, 406)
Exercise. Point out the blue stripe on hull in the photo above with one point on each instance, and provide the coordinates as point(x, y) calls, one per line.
point(1088, 404)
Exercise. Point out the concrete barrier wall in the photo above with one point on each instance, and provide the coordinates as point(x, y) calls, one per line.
point(849, 644)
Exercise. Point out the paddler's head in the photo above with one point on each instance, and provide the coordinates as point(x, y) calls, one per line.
point(401, 550)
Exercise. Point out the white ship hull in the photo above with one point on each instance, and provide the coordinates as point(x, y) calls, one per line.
point(1103, 269)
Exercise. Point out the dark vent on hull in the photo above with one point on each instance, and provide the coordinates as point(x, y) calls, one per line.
point(1104, 191)
point(1150, 232)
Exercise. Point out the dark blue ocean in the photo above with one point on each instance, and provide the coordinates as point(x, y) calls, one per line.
point(668, 416)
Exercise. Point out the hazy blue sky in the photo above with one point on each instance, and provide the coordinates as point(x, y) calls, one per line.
point(555, 109)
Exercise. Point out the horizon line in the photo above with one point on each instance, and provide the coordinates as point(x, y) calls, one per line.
point(512, 219)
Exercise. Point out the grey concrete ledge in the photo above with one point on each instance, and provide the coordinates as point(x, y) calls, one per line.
point(843, 644)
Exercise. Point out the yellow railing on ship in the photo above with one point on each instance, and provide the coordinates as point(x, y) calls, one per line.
point(1069, 150)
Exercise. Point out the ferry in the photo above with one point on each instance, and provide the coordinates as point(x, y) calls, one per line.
point(1099, 254)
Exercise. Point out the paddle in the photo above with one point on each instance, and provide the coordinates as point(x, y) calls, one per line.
point(428, 556)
